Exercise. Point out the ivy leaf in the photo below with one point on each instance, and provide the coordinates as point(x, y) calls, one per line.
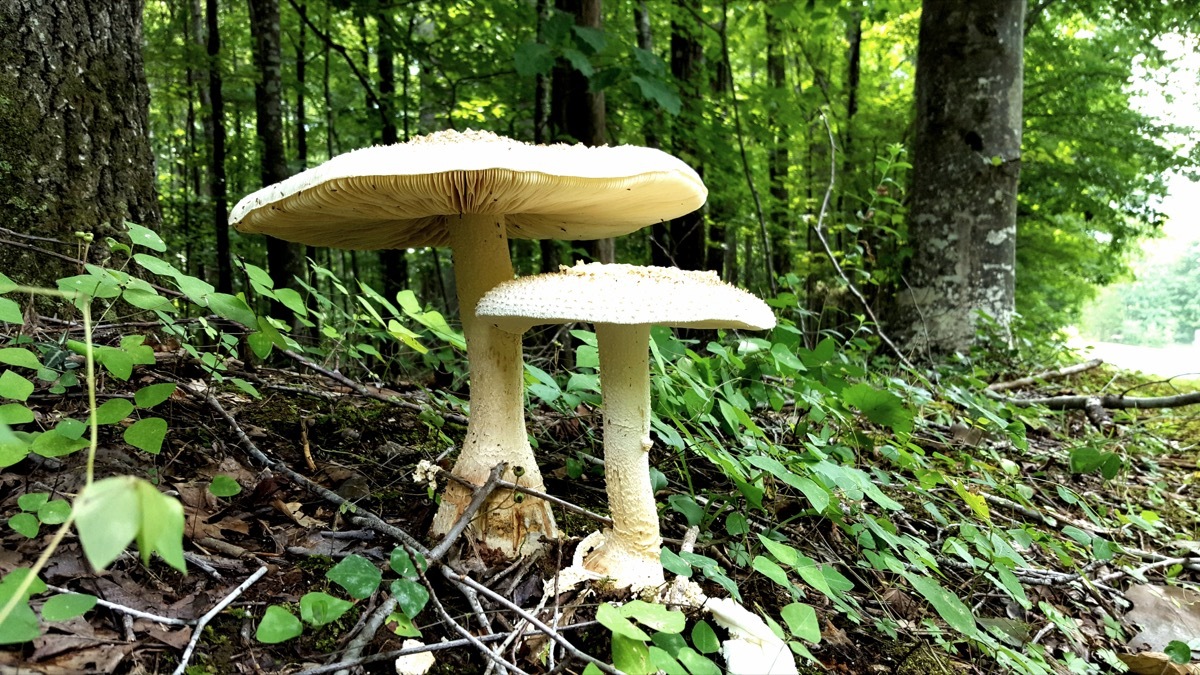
point(410, 595)
point(357, 575)
point(147, 434)
point(318, 608)
point(277, 625)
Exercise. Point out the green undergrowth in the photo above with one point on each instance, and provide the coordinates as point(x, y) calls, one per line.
point(844, 499)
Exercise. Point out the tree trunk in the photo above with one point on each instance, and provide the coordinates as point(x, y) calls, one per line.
point(215, 129)
point(74, 147)
point(575, 111)
point(284, 259)
point(686, 248)
point(780, 213)
point(966, 166)
point(393, 261)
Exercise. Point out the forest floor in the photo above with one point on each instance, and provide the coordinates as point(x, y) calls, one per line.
point(363, 450)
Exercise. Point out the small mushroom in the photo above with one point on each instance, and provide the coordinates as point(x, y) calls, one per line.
point(624, 301)
point(472, 191)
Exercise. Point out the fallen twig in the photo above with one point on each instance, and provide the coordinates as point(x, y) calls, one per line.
point(364, 390)
point(199, 629)
point(482, 492)
point(1111, 402)
point(1046, 375)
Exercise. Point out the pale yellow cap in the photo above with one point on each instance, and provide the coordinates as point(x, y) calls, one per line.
point(626, 295)
point(400, 196)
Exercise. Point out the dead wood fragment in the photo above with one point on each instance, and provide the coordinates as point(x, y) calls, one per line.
point(1045, 376)
point(1109, 402)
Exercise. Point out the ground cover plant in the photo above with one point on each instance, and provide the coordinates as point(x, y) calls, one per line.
point(874, 516)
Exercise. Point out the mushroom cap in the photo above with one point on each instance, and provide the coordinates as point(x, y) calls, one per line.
point(400, 196)
point(626, 295)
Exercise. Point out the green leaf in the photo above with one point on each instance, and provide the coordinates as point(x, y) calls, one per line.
point(631, 656)
point(147, 434)
point(948, 606)
point(318, 609)
point(245, 386)
point(54, 512)
point(531, 58)
point(161, 526)
point(15, 413)
point(610, 617)
point(291, 299)
point(402, 564)
point(674, 564)
point(654, 616)
point(21, 625)
point(116, 361)
point(66, 606)
point(113, 410)
point(26, 524)
point(1179, 652)
point(233, 308)
point(144, 236)
point(771, 570)
point(661, 660)
point(357, 575)
point(10, 312)
point(656, 90)
point(32, 501)
point(22, 358)
point(579, 61)
point(107, 518)
point(277, 625)
point(410, 595)
point(705, 638)
point(801, 620)
point(70, 428)
point(595, 38)
point(14, 386)
point(881, 407)
point(404, 625)
point(53, 444)
point(687, 506)
point(696, 663)
point(147, 299)
point(156, 266)
point(152, 395)
point(224, 486)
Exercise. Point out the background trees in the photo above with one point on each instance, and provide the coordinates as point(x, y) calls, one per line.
point(742, 90)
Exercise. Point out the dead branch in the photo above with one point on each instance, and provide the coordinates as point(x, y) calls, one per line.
point(1109, 402)
point(199, 629)
point(365, 390)
point(1045, 376)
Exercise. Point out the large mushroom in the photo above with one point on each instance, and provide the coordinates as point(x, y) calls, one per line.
point(623, 302)
point(472, 191)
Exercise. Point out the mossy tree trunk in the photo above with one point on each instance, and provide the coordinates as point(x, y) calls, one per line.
point(966, 165)
point(74, 148)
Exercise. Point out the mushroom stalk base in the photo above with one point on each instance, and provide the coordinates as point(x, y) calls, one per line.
point(631, 549)
point(511, 523)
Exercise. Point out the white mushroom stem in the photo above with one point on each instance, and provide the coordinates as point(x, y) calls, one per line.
point(630, 552)
point(496, 428)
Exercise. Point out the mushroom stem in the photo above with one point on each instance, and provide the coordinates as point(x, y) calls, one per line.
point(496, 428)
point(630, 552)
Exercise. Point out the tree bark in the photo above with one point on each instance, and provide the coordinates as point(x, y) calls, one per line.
point(576, 111)
point(74, 112)
point(966, 166)
point(284, 259)
point(777, 156)
point(686, 240)
point(393, 261)
point(215, 130)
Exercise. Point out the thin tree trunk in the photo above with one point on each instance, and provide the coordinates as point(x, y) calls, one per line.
point(74, 145)
point(777, 156)
point(966, 166)
point(284, 259)
point(216, 159)
point(577, 112)
point(686, 249)
point(393, 261)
